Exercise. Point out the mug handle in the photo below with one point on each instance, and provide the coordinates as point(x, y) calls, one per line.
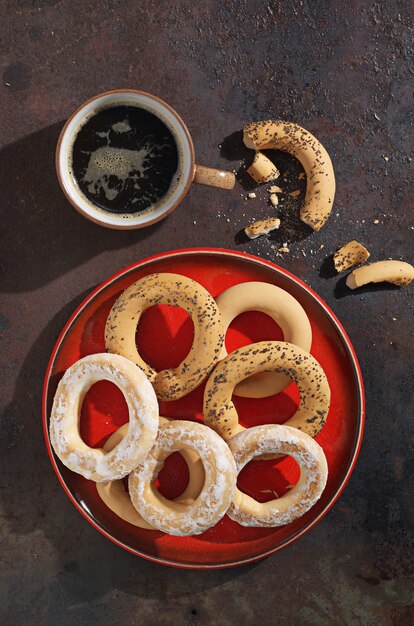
point(214, 178)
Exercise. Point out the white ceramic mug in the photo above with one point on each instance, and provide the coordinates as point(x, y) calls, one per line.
point(187, 171)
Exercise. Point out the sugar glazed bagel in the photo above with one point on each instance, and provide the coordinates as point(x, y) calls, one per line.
point(267, 356)
point(320, 177)
point(177, 518)
point(94, 463)
point(271, 439)
point(284, 309)
point(175, 290)
point(117, 499)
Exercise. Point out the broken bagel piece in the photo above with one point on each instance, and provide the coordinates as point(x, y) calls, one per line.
point(262, 170)
point(262, 227)
point(320, 177)
point(351, 254)
point(397, 272)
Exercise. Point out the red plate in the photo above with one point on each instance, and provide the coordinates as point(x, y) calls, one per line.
point(164, 337)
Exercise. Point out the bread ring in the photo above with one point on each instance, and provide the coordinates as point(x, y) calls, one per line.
point(273, 439)
point(177, 518)
point(289, 137)
point(175, 290)
point(284, 309)
point(117, 498)
point(94, 463)
point(266, 356)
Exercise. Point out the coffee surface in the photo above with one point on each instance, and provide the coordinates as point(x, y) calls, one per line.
point(124, 159)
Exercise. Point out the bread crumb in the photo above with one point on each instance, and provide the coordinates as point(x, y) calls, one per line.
point(394, 319)
point(301, 176)
point(295, 193)
point(385, 158)
point(275, 189)
point(274, 199)
point(284, 248)
point(251, 195)
point(376, 221)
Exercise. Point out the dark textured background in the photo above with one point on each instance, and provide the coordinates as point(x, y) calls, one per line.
point(343, 71)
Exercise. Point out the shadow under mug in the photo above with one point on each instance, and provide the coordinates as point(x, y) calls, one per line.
point(187, 171)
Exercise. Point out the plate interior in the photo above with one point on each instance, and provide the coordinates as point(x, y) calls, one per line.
point(164, 337)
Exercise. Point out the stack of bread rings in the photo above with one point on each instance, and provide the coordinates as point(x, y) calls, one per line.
point(216, 451)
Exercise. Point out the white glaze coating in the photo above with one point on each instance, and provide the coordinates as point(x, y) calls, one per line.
point(117, 499)
point(276, 439)
point(177, 518)
point(94, 463)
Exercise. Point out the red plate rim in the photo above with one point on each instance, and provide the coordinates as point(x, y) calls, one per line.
point(322, 304)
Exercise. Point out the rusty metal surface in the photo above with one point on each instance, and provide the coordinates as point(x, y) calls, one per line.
point(343, 71)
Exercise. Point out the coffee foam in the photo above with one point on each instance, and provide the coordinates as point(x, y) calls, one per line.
point(120, 161)
point(117, 161)
point(121, 127)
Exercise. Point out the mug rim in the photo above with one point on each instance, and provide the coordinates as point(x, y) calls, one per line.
point(128, 225)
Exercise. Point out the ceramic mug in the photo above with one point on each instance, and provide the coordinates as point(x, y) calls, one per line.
point(187, 170)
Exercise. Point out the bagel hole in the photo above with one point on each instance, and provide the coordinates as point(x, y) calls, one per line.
point(251, 327)
point(164, 336)
point(103, 411)
point(267, 480)
point(173, 478)
point(275, 409)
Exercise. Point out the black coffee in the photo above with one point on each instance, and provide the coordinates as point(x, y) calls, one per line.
point(124, 159)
